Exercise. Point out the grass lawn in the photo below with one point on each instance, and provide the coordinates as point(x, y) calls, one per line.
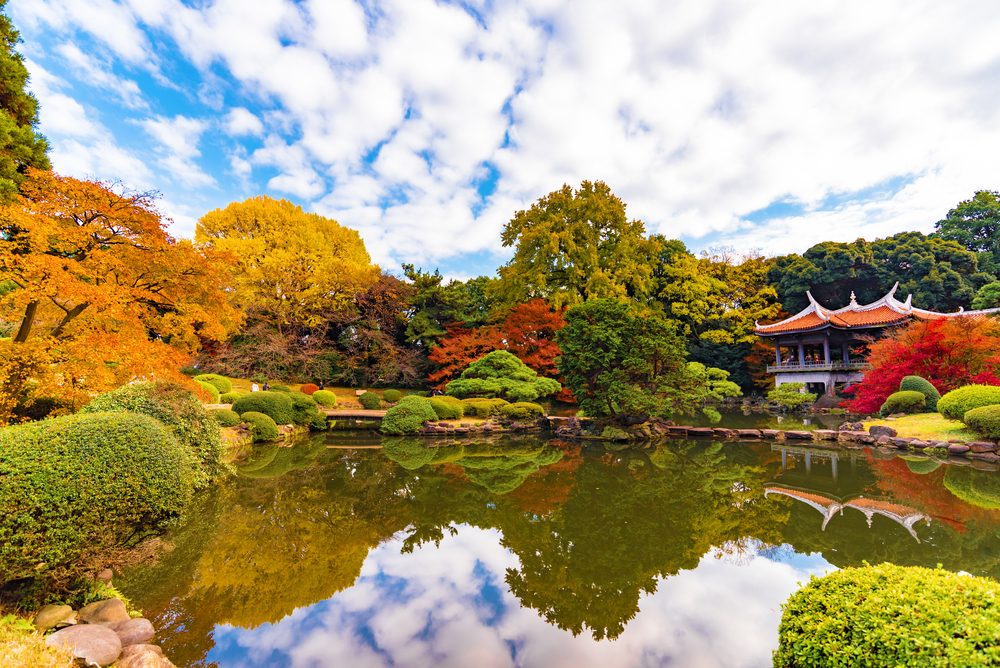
point(929, 427)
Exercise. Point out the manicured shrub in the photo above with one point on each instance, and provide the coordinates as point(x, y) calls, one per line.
point(501, 374)
point(177, 408)
point(483, 407)
point(890, 615)
point(325, 398)
point(83, 483)
point(280, 388)
point(408, 416)
point(308, 388)
point(262, 427)
point(906, 401)
point(924, 387)
point(978, 488)
point(392, 396)
point(221, 383)
point(447, 408)
point(306, 411)
point(211, 390)
point(277, 405)
point(522, 410)
point(791, 395)
point(230, 397)
point(370, 401)
point(985, 421)
point(226, 417)
point(958, 402)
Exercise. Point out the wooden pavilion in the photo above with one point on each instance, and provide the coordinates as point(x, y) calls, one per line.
point(826, 348)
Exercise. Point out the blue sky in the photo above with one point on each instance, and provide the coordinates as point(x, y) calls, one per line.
point(425, 125)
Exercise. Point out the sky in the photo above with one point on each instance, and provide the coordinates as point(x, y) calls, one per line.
point(759, 126)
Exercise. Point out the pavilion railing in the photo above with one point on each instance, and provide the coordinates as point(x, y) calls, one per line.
point(817, 366)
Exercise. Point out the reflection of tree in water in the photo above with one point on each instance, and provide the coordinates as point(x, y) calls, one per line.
point(499, 467)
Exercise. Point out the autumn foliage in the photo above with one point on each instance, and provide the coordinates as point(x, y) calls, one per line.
point(949, 353)
point(528, 332)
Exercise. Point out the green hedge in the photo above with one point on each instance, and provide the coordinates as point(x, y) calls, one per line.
point(370, 401)
point(890, 615)
point(262, 426)
point(483, 407)
point(447, 408)
point(392, 396)
point(226, 417)
point(985, 421)
point(408, 416)
point(182, 413)
point(306, 411)
point(221, 383)
point(924, 387)
point(230, 397)
point(957, 403)
point(907, 401)
point(522, 410)
point(212, 390)
point(277, 405)
point(82, 483)
point(325, 398)
point(280, 388)
point(977, 488)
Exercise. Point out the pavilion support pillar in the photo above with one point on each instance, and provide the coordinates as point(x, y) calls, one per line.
point(777, 352)
point(802, 354)
point(826, 351)
point(845, 348)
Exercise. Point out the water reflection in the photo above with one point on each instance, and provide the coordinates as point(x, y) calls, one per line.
point(524, 552)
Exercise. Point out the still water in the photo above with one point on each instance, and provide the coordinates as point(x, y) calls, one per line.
point(526, 552)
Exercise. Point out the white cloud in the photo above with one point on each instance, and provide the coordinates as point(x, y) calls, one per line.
point(178, 139)
point(240, 122)
point(100, 74)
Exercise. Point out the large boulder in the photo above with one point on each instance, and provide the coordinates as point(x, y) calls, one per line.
point(879, 430)
point(134, 631)
point(51, 616)
point(107, 611)
point(93, 643)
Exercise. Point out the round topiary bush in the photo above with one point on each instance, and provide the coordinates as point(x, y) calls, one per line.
point(262, 427)
point(522, 410)
point(447, 408)
point(280, 388)
point(84, 483)
point(903, 402)
point(308, 388)
point(370, 401)
point(221, 383)
point(325, 398)
point(306, 411)
point(230, 397)
point(978, 488)
point(182, 413)
point(211, 390)
point(226, 417)
point(277, 405)
point(392, 396)
point(408, 416)
point(957, 403)
point(924, 387)
point(985, 421)
point(483, 407)
point(890, 615)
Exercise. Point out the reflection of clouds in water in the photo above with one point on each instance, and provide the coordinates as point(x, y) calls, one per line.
point(449, 606)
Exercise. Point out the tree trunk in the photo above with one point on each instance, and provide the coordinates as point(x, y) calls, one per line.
point(26, 322)
point(70, 314)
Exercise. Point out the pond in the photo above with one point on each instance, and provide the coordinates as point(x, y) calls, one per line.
point(527, 552)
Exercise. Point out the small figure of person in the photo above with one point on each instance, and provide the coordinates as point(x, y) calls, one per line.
point(254, 388)
point(267, 386)
point(320, 385)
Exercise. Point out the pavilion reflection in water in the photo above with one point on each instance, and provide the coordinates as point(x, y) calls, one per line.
point(812, 476)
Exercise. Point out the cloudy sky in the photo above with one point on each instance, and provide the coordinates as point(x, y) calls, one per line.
point(766, 125)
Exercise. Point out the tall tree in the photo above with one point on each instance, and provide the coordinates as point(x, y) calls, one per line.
point(975, 223)
point(436, 304)
point(291, 267)
point(574, 245)
point(21, 146)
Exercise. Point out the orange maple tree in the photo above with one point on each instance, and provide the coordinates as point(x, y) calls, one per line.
point(91, 282)
point(528, 331)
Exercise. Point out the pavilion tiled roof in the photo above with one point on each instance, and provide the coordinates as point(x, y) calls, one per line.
point(884, 312)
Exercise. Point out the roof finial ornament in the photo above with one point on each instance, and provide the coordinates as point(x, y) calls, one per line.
point(854, 299)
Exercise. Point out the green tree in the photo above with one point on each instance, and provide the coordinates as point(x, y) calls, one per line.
point(975, 223)
point(571, 246)
point(435, 304)
point(502, 374)
point(988, 296)
point(21, 146)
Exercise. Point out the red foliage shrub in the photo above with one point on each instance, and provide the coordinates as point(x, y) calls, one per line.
point(308, 388)
point(949, 353)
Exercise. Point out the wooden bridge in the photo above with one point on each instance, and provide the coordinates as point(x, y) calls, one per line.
point(357, 414)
